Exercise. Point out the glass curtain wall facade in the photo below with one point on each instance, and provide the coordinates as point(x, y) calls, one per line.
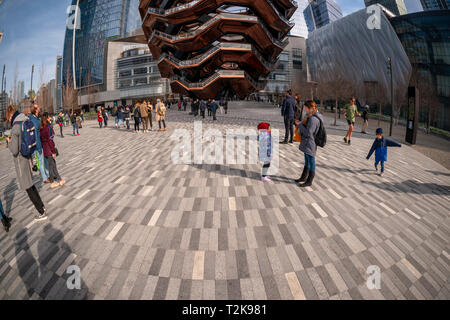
point(321, 12)
point(59, 77)
point(426, 39)
point(100, 20)
point(300, 29)
point(435, 4)
point(397, 7)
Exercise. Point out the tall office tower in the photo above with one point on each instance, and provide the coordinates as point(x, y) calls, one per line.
point(217, 48)
point(321, 12)
point(20, 90)
point(300, 28)
point(435, 4)
point(59, 79)
point(100, 20)
point(397, 7)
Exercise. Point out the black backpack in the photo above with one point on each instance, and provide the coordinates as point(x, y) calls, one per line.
point(321, 136)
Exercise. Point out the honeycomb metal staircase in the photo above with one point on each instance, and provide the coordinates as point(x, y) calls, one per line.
point(216, 48)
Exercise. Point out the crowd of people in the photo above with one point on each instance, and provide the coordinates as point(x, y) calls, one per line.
point(31, 141)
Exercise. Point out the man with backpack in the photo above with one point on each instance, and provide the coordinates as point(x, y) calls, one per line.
point(22, 144)
point(73, 120)
point(312, 131)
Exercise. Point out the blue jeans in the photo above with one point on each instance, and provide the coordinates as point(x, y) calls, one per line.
point(43, 165)
point(2, 213)
point(75, 127)
point(310, 162)
point(382, 165)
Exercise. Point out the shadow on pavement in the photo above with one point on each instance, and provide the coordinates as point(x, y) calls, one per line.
point(411, 186)
point(438, 173)
point(40, 276)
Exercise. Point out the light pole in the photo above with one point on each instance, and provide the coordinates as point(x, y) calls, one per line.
point(391, 72)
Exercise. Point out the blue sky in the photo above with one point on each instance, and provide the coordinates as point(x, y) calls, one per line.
point(34, 34)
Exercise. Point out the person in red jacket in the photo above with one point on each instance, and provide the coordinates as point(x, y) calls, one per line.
point(100, 118)
point(50, 152)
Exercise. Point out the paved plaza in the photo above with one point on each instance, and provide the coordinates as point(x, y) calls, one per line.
point(140, 227)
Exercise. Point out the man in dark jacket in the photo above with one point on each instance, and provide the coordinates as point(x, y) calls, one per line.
point(202, 108)
point(214, 109)
point(43, 164)
point(288, 112)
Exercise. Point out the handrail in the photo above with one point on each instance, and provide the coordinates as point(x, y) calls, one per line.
point(217, 17)
point(165, 12)
point(202, 57)
point(217, 74)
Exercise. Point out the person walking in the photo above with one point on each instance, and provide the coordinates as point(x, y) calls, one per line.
point(225, 106)
point(22, 164)
point(288, 112)
point(160, 111)
point(380, 146)
point(73, 120)
point(202, 108)
point(39, 154)
point(195, 107)
point(179, 105)
point(350, 113)
point(150, 115)
point(208, 105)
point(308, 130)
point(214, 109)
point(50, 151)
point(126, 115)
point(82, 115)
point(6, 221)
point(100, 118)
point(137, 117)
point(144, 116)
point(60, 122)
point(105, 116)
point(365, 116)
point(119, 117)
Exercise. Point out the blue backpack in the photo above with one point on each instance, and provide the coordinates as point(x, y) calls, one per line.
point(28, 138)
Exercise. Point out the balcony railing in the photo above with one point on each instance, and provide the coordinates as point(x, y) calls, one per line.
point(216, 18)
point(179, 8)
point(211, 51)
point(195, 85)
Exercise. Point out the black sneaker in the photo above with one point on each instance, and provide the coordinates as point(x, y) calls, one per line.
point(6, 224)
point(345, 140)
point(349, 142)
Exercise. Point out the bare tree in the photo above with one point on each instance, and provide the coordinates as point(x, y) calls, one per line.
point(69, 94)
point(338, 89)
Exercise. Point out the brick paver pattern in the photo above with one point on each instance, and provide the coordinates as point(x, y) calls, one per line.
point(140, 227)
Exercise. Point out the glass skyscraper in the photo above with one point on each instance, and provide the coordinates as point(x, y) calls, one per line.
point(300, 28)
point(100, 20)
point(320, 13)
point(397, 7)
point(435, 4)
point(426, 39)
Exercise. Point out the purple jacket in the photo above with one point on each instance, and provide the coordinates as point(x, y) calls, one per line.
point(48, 145)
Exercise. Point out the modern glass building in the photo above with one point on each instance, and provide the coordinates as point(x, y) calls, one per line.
point(319, 13)
point(426, 39)
point(100, 20)
point(300, 29)
point(435, 4)
point(397, 7)
point(59, 78)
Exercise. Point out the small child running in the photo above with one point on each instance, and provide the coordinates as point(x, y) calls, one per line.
point(380, 147)
point(265, 149)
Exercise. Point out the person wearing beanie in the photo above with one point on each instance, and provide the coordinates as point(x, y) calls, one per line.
point(265, 149)
point(380, 146)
